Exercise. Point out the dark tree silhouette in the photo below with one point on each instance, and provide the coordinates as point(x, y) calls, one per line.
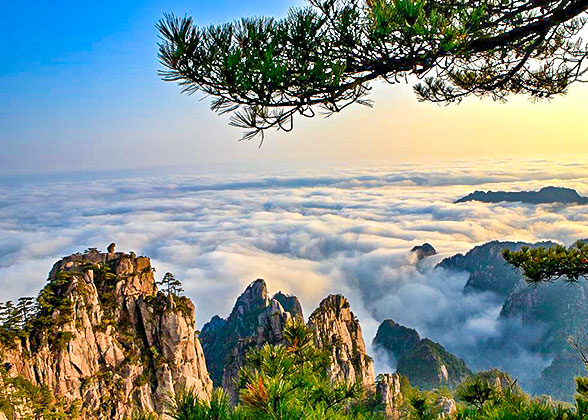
point(26, 308)
point(265, 71)
point(171, 285)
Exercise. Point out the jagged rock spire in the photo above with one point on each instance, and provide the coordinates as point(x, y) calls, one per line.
point(255, 320)
point(337, 330)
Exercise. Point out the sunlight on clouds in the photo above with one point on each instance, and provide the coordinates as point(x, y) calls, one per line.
point(307, 232)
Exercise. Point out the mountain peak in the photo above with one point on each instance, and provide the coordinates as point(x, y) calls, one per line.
point(424, 250)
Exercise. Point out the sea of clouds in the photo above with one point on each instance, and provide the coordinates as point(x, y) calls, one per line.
point(307, 232)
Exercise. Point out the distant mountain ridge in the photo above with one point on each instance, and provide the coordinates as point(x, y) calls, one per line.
point(545, 195)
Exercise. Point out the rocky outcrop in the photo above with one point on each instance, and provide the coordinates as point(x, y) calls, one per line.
point(389, 394)
point(446, 407)
point(256, 319)
point(105, 336)
point(395, 339)
point(423, 251)
point(337, 330)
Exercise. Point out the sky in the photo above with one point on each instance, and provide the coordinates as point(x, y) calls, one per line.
point(79, 91)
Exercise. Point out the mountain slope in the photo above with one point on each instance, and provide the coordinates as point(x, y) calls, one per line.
point(425, 363)
point(488, 269)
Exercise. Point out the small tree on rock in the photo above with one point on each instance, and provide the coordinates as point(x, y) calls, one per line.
point(170, 284)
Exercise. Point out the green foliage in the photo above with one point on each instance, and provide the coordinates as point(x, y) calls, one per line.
point(186, 406)
point(283, 382)
point(144, 415)
point(267, 70)
point(492, 396)
point(20, 396)
point(549, 264)
point(170, 284)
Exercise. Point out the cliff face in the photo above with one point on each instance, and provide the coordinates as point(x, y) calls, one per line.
point(105, 336)
point(255, 320)
point(390, 394)
point(337, 330)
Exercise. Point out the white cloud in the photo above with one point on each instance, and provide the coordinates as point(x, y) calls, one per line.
point(309, 233)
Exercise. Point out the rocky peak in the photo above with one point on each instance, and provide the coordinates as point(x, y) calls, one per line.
point(255, 320)
point(395, 338)
point(337, 330)
point(253, 298)
point(290, 304)
point(104, 335)
point(423, 251)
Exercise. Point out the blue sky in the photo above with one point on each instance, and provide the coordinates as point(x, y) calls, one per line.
point(79, 91)
point(85, 74)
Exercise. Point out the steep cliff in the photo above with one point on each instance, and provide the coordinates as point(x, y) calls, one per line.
point(103, 335)
point(389, 392)
point(337, 330)
point(255, 320)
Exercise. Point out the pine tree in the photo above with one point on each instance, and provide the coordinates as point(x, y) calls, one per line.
point(170, 284)
point(26, 309)
point(543, 265)
point(323, 57)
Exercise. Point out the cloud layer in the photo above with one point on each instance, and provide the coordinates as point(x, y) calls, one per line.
point(309, 233)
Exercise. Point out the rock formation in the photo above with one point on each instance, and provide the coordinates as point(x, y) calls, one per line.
point(390, 394)
point(337, 330)
point(423, 251)
point(395, 339)
point(446, 407)
point(255, 320)
point(105, 336)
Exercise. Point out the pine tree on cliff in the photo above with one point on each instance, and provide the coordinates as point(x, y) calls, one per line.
point(323, 57)
point(170, 284)
point(26, 308)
